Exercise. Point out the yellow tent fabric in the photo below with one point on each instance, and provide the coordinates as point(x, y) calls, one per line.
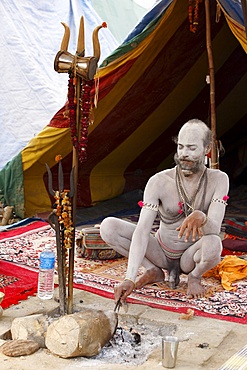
point(36, 196)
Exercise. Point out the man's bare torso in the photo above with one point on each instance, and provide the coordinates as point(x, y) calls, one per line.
point(164, 184)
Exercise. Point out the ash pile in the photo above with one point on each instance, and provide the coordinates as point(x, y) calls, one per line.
point(132, 345)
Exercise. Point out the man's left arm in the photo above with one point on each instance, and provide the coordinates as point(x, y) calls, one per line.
point(217, 207)
point(199, 223)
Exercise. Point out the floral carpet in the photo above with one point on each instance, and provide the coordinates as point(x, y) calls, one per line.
point(100, 277)
point(218, 303)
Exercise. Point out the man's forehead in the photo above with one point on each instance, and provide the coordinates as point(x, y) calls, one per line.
point(191, 136)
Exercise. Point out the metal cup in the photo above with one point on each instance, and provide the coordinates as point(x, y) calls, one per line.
point(169, 351)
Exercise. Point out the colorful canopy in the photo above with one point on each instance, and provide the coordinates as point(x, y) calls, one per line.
point(148, 87)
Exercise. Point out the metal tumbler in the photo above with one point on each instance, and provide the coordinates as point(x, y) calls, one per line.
point(169, 351)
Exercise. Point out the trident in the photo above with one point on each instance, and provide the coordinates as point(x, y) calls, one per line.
point(81, 70)
point(82, 66)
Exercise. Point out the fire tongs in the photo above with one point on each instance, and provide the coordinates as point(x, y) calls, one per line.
point(117, 305)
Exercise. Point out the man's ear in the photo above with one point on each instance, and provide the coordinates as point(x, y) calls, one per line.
point(208, 149)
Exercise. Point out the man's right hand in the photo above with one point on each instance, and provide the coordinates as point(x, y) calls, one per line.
point(123, 290)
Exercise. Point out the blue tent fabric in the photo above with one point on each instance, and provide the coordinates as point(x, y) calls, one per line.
point(234, 9)
point(149, 17)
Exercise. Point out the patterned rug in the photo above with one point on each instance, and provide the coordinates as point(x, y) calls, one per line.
point(218, 303)
point(100, 277)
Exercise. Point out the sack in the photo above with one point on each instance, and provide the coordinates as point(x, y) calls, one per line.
point(236, 244)
point(90, 245)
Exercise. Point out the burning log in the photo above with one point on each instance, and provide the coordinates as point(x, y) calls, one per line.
point(83, 333)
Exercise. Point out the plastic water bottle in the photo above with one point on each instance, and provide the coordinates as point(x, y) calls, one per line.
point(46, 273)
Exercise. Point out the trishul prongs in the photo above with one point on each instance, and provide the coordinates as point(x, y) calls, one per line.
point(81, 43)
point(85, 67)
point(66, 36)
point(60, 181)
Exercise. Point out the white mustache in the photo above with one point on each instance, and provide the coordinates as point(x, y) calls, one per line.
point(185, 159)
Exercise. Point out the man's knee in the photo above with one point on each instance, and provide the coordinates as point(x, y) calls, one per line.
point(108, 229)
point(212, 247)
point(213, 241)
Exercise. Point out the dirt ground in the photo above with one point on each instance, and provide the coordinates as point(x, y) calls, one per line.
point(210, 342)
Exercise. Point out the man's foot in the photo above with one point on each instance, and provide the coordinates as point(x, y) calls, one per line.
point(195, 288)
point(152, 275)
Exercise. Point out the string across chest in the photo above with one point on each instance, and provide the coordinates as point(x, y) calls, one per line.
point(186, 202)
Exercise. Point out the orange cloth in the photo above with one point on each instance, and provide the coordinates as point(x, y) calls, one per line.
point(230, 269)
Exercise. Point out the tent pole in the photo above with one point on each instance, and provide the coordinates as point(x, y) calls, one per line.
point(214, 156)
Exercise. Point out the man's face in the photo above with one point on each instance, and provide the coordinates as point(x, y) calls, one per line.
point(190, 149)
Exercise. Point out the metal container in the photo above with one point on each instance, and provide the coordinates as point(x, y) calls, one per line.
point(169, 351)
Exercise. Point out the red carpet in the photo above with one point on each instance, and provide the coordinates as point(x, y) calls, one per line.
point(17, 283)
point(24, 229)
point(99, 277)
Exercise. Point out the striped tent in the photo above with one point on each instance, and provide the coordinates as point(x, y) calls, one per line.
point(148, 87)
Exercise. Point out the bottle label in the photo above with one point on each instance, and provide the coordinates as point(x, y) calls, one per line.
point(47, 263)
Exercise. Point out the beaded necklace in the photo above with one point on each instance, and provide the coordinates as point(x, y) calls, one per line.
point(188, 203)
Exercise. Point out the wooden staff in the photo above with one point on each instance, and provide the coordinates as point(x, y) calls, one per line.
point(214, 151)
point(74, 203)
point(87, 74)
point(80, 51)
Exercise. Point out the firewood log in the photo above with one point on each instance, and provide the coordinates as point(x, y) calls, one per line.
point(30, 327)
point(83, 333)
